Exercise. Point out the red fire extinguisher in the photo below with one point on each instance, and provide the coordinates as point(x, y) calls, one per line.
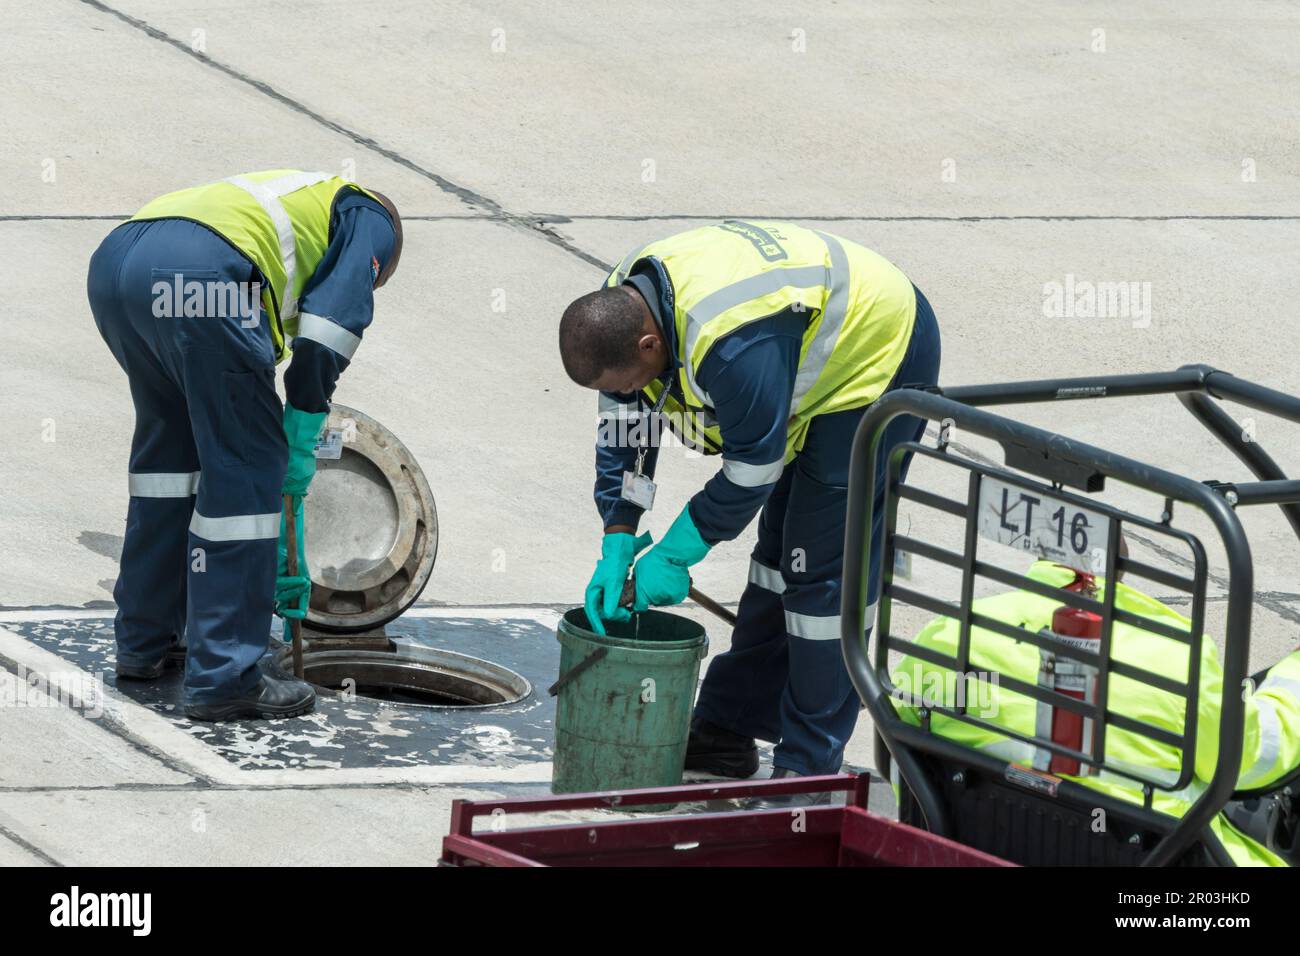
point(1082, 630)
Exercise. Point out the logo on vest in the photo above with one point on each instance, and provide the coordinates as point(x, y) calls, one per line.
point(764, 240)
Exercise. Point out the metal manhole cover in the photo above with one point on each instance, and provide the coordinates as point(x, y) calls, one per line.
point(371, 525)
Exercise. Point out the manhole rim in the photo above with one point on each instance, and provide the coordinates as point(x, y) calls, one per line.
point(509, 680)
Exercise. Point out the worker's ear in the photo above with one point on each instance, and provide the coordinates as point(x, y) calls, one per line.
point(649, 344)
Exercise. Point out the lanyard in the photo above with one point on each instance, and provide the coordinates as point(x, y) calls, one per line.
point(654, 415)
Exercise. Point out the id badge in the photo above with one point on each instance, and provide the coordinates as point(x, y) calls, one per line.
point(330, 445)
point(639, 490)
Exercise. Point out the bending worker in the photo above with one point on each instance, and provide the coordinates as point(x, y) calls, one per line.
point(765, 342)
point(198, 297)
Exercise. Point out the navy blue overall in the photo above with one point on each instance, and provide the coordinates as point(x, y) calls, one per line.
point(772, 684)
point(208, 455)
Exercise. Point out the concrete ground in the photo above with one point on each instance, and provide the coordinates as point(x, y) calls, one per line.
point(989, 154)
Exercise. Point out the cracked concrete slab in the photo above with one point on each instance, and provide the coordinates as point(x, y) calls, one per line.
point(988, 154)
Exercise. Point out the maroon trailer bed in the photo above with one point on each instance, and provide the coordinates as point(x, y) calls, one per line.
point(829, 835)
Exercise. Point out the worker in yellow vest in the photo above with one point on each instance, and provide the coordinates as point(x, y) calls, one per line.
point(1258, 826)
point(199, 296)
point(764, 342)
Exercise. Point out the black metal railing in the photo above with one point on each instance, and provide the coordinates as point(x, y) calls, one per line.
point(1061, 462)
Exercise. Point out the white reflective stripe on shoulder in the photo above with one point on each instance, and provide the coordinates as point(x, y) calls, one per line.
point(318, 328)
point(268, 196)
point(832, 320)
point(1289, 685)
point(293, 182)
point(236, 527)
point(1270, 744)
point(813, 628)
point(730, 296)
point(756, 286)
point(769, 579)
point(162, 484)
point(752, 476)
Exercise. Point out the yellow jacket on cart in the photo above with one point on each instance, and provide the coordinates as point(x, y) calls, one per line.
point(1271, 745)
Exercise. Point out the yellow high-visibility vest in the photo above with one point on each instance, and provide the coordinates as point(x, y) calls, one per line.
point(278, 218)
point(860, 310)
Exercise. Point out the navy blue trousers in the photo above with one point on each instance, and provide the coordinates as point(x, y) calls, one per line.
point(783, 679)
point(176, 305)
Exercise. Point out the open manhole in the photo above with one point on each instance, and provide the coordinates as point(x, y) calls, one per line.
point(414, 677)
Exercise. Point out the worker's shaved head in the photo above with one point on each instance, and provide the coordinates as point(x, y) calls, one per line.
point(601, 333)
point(391, 265)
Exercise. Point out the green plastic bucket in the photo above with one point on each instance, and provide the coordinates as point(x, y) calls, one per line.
point(621, 722)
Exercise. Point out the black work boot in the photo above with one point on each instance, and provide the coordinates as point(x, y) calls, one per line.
point(271, 698)
point(711, 749)
point(142, 671)
point(156, 669)
point(787, 801)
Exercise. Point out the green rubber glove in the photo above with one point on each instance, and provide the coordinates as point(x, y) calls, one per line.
point(606, 588)
point(301, 429)
point(292, 593)
point(662, 577)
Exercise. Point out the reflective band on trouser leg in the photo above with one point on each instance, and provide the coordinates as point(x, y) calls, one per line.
point(813, 628)
point(236, 527)
point(316, 328)
point(163, 484)
point(769, 579)
point(1270, 744)
point(752, 476)
point(268, 196)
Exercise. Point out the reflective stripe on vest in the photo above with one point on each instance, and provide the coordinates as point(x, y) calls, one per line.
point(1270, 745)
point(738, 293)
point(819, 350)
point(279, 219)
point(1289, 685)
point(268, 196)
point(859, 307)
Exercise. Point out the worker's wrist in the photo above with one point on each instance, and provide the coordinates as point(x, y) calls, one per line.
point(621, 529)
